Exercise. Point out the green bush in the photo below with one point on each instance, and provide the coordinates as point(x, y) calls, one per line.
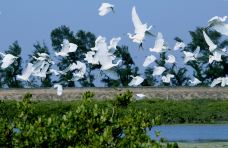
point(84, 125)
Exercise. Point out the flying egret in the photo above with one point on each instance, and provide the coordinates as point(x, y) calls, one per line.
point(67, 47)
point(209, 42)
point(81, 70)
point(159, 45)
point(179, 45)
point(55, 72)
point(89, 57)
point(109, 65)
point(7, 60)
point(149, 59)
point(136, 81)
point(189, 56)
point(103, 54)
point(26, 73)
point(212, 46)
point(59, 89)
point(215, 57)
point(105, 8)
point(167, 78)
point(140, 29)
point(222, 80)
point(195, 81)
point(158, 70)
point(217, 23)
point(114, 42)
point(43, 71)
point(43, 54)
point(171, 59)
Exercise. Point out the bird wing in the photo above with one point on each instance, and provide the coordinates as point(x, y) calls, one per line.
point(136, 20)
point(208, 40)
point(196, 52)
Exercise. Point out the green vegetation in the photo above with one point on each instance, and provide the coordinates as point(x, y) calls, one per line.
point(86, 123)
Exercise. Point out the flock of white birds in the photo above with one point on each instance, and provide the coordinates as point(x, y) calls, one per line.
point(102, 54)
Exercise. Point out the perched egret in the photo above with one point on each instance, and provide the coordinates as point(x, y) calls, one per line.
point(7, 60)
point(105, 8)
point(159, 45)
point(140, 29)
point(140, 96)
point(59, 89)
point(149, 59)
point(136, 81)
point(158, 70)
point(195, 81)
point(167, 78)
point(171, 59)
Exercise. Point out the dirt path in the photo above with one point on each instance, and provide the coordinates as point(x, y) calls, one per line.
point(177, 93)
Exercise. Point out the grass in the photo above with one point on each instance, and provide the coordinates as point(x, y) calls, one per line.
point(170, 111)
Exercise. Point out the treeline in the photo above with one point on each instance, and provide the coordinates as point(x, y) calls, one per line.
point(200, 68)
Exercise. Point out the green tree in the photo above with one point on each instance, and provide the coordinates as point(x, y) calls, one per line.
point(10, 73)
point(41, 48)
point(124, 70)
point(204, 71)
point(85, 41)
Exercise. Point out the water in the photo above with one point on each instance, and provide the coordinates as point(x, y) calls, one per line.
point(190, 133)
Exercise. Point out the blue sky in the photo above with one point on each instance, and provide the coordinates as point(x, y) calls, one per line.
point(30, 21)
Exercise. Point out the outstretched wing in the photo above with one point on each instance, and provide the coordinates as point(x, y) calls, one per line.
point(136, 20)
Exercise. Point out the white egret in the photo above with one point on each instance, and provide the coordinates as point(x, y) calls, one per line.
point(195, 81)
point(209, 42)
point(56, 72)
point(89, 57)
point(7, 60)
point(217, 23)
point(222, 80)
point(149, 59)
point(215, 57)
point(43, 71)
point(189, 56)
point(59, 89)
point(171, 59)
point(179, 45)
point(140, 29)
point(140, 96)
point(167, 78)
point(212, 46)
point(26, 73)
point(105, 8)
point(158, 70)
point(81, 70)
point(159, 45)
point(67, 47)
point(136, 81)
point(114, 42)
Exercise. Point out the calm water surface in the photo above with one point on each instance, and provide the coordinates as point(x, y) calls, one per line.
point(188, 133)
